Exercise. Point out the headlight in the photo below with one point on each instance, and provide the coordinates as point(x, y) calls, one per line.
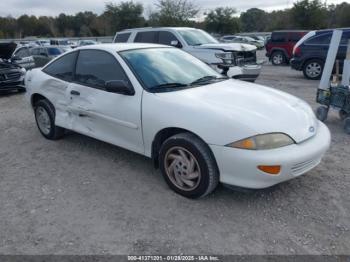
point(263, 142)
point(227, 57)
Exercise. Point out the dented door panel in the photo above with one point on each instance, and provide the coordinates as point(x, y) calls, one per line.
point(113, 118)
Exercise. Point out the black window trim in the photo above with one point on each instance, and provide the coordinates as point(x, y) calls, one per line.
point(97, 87)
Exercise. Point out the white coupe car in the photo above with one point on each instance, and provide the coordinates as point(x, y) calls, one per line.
point(199, 127)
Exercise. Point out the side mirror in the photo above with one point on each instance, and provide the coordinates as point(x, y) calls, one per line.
point(176, 43)
point(119, 87)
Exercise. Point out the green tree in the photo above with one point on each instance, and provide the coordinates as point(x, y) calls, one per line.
point(309, 14)
point(124, 15)
point(339, 15)
point(173, 13)
point(222, 20)
point(279, 20)
point(254, 20)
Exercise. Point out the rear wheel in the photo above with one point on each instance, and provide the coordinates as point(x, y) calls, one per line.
point(188, 166)
point(45, 120)
point(313, 69)
point(278, 58)
point(322, 113)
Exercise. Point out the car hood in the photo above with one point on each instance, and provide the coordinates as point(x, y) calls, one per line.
point(228, 47)
point(6, 50)
point(254, 108)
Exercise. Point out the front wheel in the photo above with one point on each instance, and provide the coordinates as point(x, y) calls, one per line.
point(188, 166)
point(45, 120)
point(313, 69)
point(343, 114)
point(347, 125)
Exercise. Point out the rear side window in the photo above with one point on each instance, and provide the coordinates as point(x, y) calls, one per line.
point(94, 68)
point(62, 68)
point(345, 38)
point(165, 38)
point(122, 38)
point(324, 39)
point(279, 37)
point(35, 51)
point(146, 37)
point(295, 37)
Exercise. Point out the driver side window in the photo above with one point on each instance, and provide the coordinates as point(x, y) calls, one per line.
point(95, 68)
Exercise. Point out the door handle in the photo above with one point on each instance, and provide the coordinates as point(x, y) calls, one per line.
point(75, 93)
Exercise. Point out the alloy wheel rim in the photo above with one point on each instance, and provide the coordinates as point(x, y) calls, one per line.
point(182, 168)
point(277, 59)
point(43, 120)
point(313, 69)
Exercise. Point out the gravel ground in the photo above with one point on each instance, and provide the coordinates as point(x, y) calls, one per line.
point(82, 196)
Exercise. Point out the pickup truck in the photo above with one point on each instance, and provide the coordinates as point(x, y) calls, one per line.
point(236, 60)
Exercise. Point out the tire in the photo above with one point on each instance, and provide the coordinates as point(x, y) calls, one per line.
point(313, 69)
point(278, 58)
point(45, 119)
point(343, 114)
point(322, 113)
point(176, 166)
point(347, 125)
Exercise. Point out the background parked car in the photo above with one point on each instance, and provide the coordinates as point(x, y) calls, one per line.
point(243, 39)
point(11, 74)
point(279, 48)
point(234, 60)
point(23, 57)
point(86, 42)
point(42, 55)
point(310, 53)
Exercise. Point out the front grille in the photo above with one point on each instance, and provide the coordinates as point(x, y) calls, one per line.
point(9, 77)
point(244, 58)
point(305, 166)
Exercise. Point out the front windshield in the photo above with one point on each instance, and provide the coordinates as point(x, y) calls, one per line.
point(168, 69)
point(196, 37)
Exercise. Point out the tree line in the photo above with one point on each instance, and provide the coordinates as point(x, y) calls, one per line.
point(305, 14)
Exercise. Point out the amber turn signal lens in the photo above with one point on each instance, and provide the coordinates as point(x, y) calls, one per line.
point(271, 170)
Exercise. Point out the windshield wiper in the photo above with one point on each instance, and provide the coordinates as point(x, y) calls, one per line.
point(167, 86)
point(206, 79)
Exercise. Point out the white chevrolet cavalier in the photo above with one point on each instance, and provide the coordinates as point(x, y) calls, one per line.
point(199, 127)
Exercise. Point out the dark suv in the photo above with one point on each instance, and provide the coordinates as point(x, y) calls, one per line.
point(279, 48)
point(310, 52)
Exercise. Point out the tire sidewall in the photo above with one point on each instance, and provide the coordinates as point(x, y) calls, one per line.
point(275, 53)
point(201, 189)
point(313, 61)
point(43, 104)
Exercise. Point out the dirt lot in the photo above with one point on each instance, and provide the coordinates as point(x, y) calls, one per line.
point(82, 196)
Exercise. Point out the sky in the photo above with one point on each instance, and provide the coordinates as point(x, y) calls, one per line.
point(16, 8)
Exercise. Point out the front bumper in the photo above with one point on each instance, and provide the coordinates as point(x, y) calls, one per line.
point(12, 86)
point(238, 167)
point(245, 72)
point(296, 64)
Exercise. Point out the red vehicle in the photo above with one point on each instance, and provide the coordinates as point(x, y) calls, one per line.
point(279, 48)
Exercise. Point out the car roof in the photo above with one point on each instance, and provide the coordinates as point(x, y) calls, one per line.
point(290, 31)
point(157, 28)
point(331, 30)
point(119, 46)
